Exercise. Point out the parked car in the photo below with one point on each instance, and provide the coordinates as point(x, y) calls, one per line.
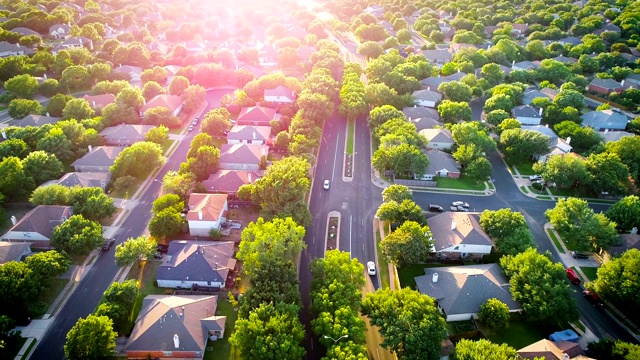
point(325, 185)
point(535, 177)
point(162, 248)
point(108, 244)
point(190, 128)
point(594, 299)
point(460, 203)
point(571, 274)
point(371, 268)
point(157, 255)
point(458, 209)
point(435, 208)
point(195, 121)
point(579, 255)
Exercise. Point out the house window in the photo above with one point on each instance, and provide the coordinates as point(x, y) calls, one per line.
point(209, 283)
point(456, 248)
point(167, 353)
point(464, 255)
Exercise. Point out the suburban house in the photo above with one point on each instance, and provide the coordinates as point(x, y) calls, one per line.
point(605, 86)
point(37, 225)
point(99, 159)
point(527, 114)
point(98, 102)
point(550, 350)
point(256, 115)
point(175, 326)
point(267, 55)
point(434, 82)
point(23, 31)
point(229, 181)
point(196, 263)
point(73, 43)
point(427, 98)
point(565, 60)
point(438, 138)
point(441, 164)
point(571, 40)
point(611, 119)
point(134, 72)
point(242, 156)
point(455, 47)
point(608, 27)
point(280, 95)
point(611, 136)
point(304, 52)
point(557, 145)
point(519, 30)
point(627, 242)
point(633, 79)
point(551, 93)
point(86, 179)
point(529, 95)
point(59, 31)
point(33, 120)
point(8, 49)
point(524, 65)
point(171, 102)
point(460, 291)
point(125, 134)
point(206, 212)
point(245, 134)
point(422, 117)
point(437, 57)
point(459, 235)
point(13, 251)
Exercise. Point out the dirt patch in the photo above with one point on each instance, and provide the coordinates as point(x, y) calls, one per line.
point(243, 216)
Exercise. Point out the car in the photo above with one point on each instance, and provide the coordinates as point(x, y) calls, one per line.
point(371, 268)
point(593, 298)
point(458, 209)
point(460, 203)
point(190, 128)
point(571, 274)
point(435, 208)
point(579, 255)
point(195, 121)
point(325, 185)
point(535, 177)
point(108, 244)
point(162, 248)
point(157, 255)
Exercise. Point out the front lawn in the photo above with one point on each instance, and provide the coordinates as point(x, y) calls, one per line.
point(222, 349)
point(350, 130)
point(462, 183)
point(128, 192)
point(55, 288)
point(519, 333)
point(525, 167)
point(383, 265)
point(407, 273)
point(555, 240)
point(146, 276)
point(590, 272)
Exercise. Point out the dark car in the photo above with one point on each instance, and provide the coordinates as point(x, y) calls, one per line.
point(162, 248)
point(108, 244)
point(579, 255)
point(458, 208)
point(435, 208)
point(593, 298)
point(157, 255)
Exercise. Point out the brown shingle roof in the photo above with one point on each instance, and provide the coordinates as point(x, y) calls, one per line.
point(43, 219)
point(171, 102)
point(467, 230)
point(210, 205)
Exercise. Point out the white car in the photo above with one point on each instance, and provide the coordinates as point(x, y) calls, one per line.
point(535, 177)
point(460, 203)
point(371, 268)
point(325, 185)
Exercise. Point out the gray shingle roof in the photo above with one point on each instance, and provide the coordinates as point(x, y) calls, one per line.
point(427, 95)
point(125, 133)
point(528, 96)
point(88, 179)
point(33, 120)
point(463, 289)
point(248, 132)
point(12, 251)
point(100, 156)
point(43, 219)
point(198, 261)
point(467, 230)
point(526, 111)
point(440, 160)
point(605, 119)
point(605, 83)
point(242, 153)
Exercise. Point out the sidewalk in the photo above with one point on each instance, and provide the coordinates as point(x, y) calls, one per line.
point(380, 182)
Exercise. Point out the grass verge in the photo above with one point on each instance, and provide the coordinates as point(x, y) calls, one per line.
point(590, 272)
point(28, 351)
point(55, 288)
point(462, 183)
point(350, 131)
point(382, 264)
point(524, 189)
point(222, 349)
point(166, 145)
point(127, 192)
point(555, 240)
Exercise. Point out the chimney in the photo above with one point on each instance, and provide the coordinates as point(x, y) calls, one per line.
point(249, 178)
point(540, 112)
point(513, 62)
point(4, 135)
point(176, 341)
point(428, 88)
point(453, 224)
point(434, 278)
point(48, 114)
point(568, 141)
point(606, 131)
point(14, 221)
point(90, 148)
point(622, 83)
point(200, 214)
point(94, 104)
point(254, 135)
point(45, 76)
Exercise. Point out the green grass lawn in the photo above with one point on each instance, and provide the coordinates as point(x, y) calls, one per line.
point(408, 272)
point(459, 327)
point(166, 145)
point(519, 333)
point(590, 271)
point(524, 189)
point(129, 191)
point(28, 351)
point(350, 131)
point(382, 264)
point(146, 276)
point(222, 349)
point(525, 167)
point(55, 288)
point(463, 183)
point(555, 240)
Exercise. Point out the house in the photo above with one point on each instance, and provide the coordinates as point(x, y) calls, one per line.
point(242, 156)
point(565, 60)
point(171, 102)
point(627, 242)
point(74, 42)
point(33, 120)
point(229, 181)
point(529, 95)
point(611, 119)
point(206, 212)
point(280, 95)
point(550, 350)
point(460, 291)
point(527, 114)
point(438, 138)
point(87, 179)
point(611, 136)
point(608, 27)
point(256, 115)
point(459, 235)
point(633, 79)
point(455, 47)
point(605, 86)
point(304, 52)
point(441, 164)
point(524, 66)
point(37, 225)
point(435, 81)
point(23, 31)
point(175, 326)
point(519, 30)
point(196, 263)
point(297, 32)
point(99, 159)
point(267, 55)
point(437, 57)
point(557, 145)
point(133, 72)
point(13, 251)
point(246, 134)
point(571, 40)
point(125, 134)
point(427, 98)
point(98, 102)
point(8, 49)
point(194, 47)
point(59, 31)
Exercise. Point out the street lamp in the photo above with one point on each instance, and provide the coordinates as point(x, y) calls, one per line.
point(335, 340)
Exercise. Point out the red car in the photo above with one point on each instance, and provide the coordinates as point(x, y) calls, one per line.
point(593, 299)
point(571, 274)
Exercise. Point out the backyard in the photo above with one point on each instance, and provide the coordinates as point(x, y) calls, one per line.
point(222, 349)
point(519, 333)
point(407, 273)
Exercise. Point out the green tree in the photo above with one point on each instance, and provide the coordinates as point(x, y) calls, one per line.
point(397, 193)
point(19, 108)
point(157, 135)
point(202, 139)
point(14, 147)
point(518, 145)
point(48, 265)
point(483, 350)
point(393, 312)
point(379, 115)
point(57, 103)
point(152, 89)
point(565, 171)
point(204, 163)
point(370, 49)
point(492, 73)
point(494, 314)
point(617, 279)
point(216, 122)
point(22, 86)
point(132, 250)
point(51, 195)
point(77, 235)
point(194, 96)
point(337, 278)
point(138, 160)
point(42, 166)
point(92, 203)
point(473, 133)
point(179, 184)
point(178, 85)
point(14, 181)
point(628, 150)
point(607, 174)
point(167, 201)
point(119, 300)
point(74, 78)
point(78, 109)
point(625, 213)
point(165, 223)
point(456, 91)
point(397, 213)
point(92, 338)
point(408, 244)
point(496, 117)
point(454, 112)
point(569, 98)
point(540, 286)
point(583, 139)
point(479, 169)
point(278, 238)
point(160, 116)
